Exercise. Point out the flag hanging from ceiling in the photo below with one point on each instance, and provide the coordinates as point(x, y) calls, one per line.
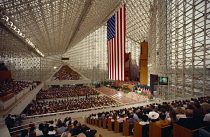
point(116, 34)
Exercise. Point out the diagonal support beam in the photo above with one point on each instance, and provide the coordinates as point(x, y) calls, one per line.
point(86, 8)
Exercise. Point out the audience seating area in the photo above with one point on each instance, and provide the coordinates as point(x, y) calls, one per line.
point(12, 91)
point(198, 109)
point(53, 106)
point(15, 87)
point(66, 73)
point(63, 92)
point(54, 128)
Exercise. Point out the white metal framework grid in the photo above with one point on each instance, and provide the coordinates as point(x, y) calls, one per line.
point(56, 25)
point(89, 56)
point(178, 33)
point(185, 57)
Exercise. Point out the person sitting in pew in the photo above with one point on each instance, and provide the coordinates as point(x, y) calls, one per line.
point(61, 129)
point(207, 115)
point(163, 121)
point(51, 130)
point(39, 129)
point(153, 116)
point(45, 132)
point(191, 122)
point(180, 113)
point(87, 131)
point(172, 117)
point(32, 132)
point(131, 120)
point(144, 120)
point(114, 116)
point(121, 119)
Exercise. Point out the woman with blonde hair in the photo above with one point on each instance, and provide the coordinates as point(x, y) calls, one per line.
point(180, 113)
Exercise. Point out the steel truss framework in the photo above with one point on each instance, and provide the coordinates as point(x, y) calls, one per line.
point(56, 24)
point(178, 33)
point(90, 55)
point(182, 47)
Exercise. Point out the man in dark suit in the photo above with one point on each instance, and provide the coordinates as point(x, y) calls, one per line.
point(191, 122)
point(10, 123)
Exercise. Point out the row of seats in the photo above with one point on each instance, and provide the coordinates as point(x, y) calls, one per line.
point(53, 106)
point(63, 92)
point(61, 128)
point(10, 88)
point(164, 120)
point(66, 73)
point(138, 130)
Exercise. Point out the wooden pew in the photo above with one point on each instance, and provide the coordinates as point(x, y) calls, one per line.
point(96, 122)
point(88, 121)
point(110, 125)
point(127, 128)
point(100, 124)
point(139, 130)
point(117, 127)
point(156, 131)
point(180, 131)
point(92, 121)
point(105, 124)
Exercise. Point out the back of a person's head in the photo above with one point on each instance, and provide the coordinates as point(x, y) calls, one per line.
point(172, 113)
point(66, 134)
point(62, 124)
point(189, 112)
point(32, 129)
point(75, 122)
point(51, 128)
point(46, 125)
point(45, 131)
point(144, 118)
point(24, 133)
point(180, 110)
point(130, 116)
point(162, 116)
point(51, 122)
point(59, 121)
point(41, 126)
point(197, 105)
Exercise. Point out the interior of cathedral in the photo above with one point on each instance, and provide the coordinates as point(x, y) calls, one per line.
point(56, 51)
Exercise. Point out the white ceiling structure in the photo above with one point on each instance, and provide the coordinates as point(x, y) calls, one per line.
point(54, 26)
point(178, 33)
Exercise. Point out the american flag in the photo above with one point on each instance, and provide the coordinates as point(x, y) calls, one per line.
point(116, 36)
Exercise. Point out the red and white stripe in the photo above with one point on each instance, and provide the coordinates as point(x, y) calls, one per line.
point(116, 47)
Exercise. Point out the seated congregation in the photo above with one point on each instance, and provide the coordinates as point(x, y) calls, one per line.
point(63, 92)
point(66, 73)
point(192, 117)
point(53, 106)
point(55, 128)
point(7, 87)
